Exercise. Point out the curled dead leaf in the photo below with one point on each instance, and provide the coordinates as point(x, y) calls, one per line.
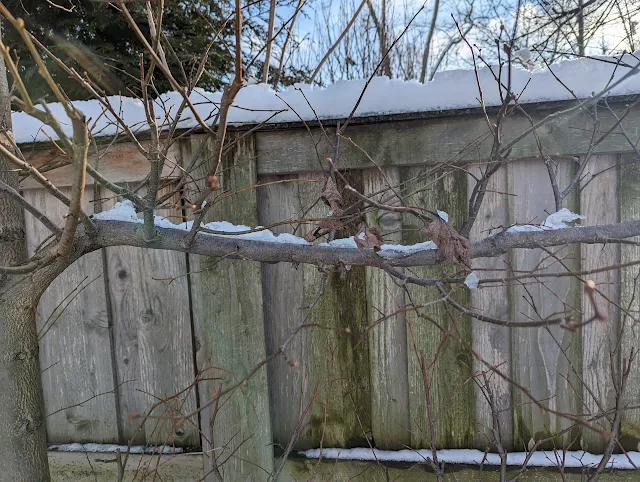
point(453, 246)
point(310, 236)
point(334, 221)
point(331, 196)
point(369, 238)
point(331, 223)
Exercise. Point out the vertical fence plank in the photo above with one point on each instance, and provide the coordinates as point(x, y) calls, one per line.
point(338, 361)
point(544, 359)
point(630, 299)
point(492, 342)
point(75, 353)
point(451, 391)
point(388, 339)
point(228, 313)
point(283, 294)
point(153, 339)
point(599, 203)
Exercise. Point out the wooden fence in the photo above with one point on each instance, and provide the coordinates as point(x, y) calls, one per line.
point(125, 328)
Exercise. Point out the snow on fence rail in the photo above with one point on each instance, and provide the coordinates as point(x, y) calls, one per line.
point(130, 326)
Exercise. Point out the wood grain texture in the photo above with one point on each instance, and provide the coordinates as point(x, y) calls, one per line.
point(229, 324)
point(630, 299)
point(283, 295)
point(118, 163)
point(599, 203)
point(153, 341)
point(338, 361)
point(388, 339)
point(75, 353)
point(491, 342)
point(546, 361)
point(436, 139)
point(448, 363)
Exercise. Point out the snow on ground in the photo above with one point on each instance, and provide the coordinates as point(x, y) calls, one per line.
point(475, 457)
point(454, 89)
point(134, 449)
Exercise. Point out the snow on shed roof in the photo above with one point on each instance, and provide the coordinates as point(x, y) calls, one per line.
point(450, 90)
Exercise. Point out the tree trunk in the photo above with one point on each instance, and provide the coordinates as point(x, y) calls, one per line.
point(581, 29)
point(23, 443)
point(427, 45)
point(381, 29)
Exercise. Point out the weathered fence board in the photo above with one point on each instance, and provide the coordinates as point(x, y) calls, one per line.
point(335, 307)
point(600, 204)
point(388, 332)
point(153, 340)
point(118, 162)
point(465, 137)
point(283, 295)
point(543, 359)
point(228, 311)
point(154, 355)
point(436, 334)
point(75, 344)
point(630, 299)
point(491, 342)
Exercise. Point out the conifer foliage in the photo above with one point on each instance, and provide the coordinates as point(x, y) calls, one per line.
point(94, 37)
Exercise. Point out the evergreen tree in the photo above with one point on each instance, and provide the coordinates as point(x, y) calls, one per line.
point(95, 38)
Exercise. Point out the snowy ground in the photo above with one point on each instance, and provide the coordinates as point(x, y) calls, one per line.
point(577, 459)
point(572, 459)
point(134, 449)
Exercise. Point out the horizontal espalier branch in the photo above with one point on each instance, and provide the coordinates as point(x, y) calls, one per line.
point(126, 233)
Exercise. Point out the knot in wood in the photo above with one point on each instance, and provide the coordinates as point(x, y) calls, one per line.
point(27, 424)
point(148, 317)
point(21, 355)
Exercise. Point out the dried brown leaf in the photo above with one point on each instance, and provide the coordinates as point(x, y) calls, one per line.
point(453, 246)
point(310, 236)
point(331, 196)
point(331, 223)
point(335, 221)
point(369, 238)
